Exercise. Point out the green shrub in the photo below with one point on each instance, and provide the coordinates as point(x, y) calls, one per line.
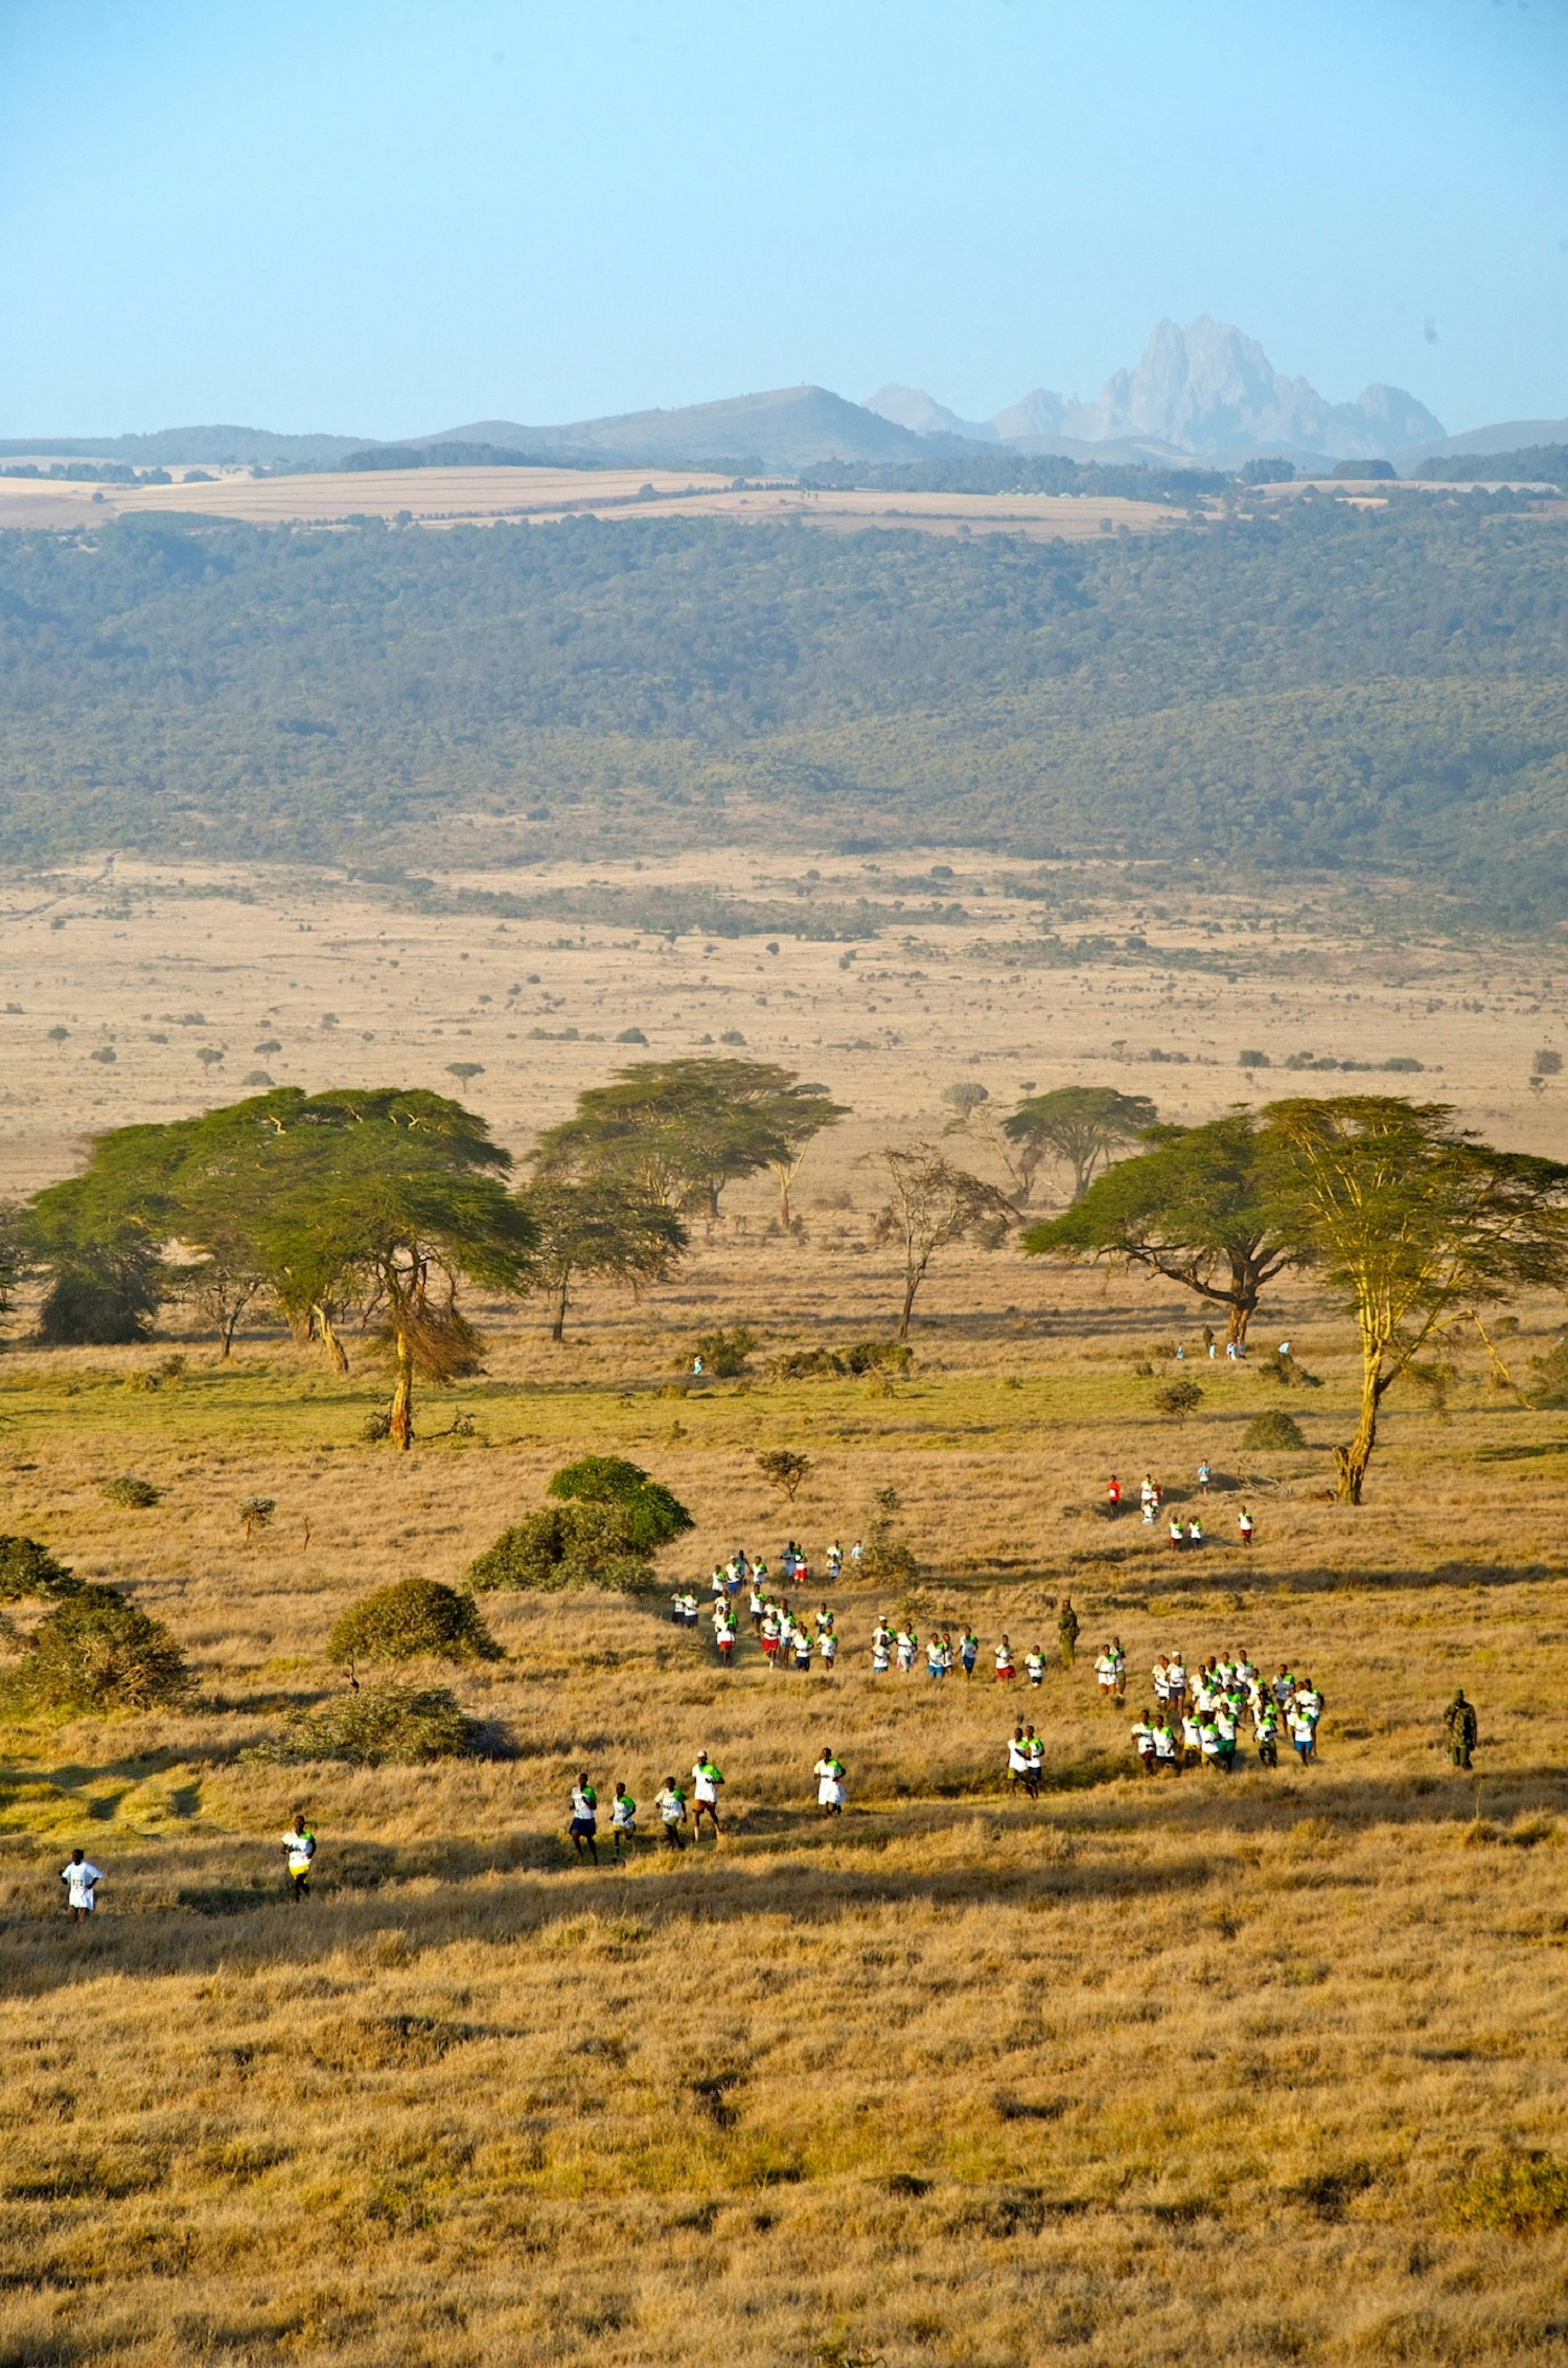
point(414, 1619)
point(134, 1494)
point(1274, 1430)
point(887, 1560)
point(1178, 1399)
point(401, 1726)
point(833, 1364)
point(1548, 1388)
point(562, 1546)
point(1523, 2196)
point(651, 1516)
point(96, 1651)
point(724, 1354)
point(28, 1569)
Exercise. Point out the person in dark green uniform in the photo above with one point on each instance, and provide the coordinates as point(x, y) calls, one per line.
point(1458, 1724)
point(1067, 1631)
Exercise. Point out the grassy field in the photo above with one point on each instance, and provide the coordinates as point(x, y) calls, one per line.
point(1246, 2070)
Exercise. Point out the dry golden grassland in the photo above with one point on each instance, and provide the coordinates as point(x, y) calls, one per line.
point(1244, 2071)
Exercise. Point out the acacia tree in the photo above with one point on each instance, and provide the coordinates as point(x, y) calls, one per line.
point(398, 1195)
point(99, 1238)
point(798, 1114)
point(930, 1205)
point(1196, 1208)
point(594, 1224)
point(1082, 1126)
point(1411, 1221)
point(673, 1131)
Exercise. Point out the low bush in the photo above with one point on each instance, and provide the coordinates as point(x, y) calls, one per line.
point(724, 1354)
point(96, 1651)
point(836, 1364)
point(1178, 1399)
point(135, 1496)
point(1523, 2195)
point(27, 1569)
point(573, 1545)
point(650, 1516)
point(388, 1725)
point(1273, 1429)
point(888, 1560)
point(414, 1619)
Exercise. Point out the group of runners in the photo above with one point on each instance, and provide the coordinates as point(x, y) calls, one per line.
point(1198, 1719)
point(698, 1796)
point(1185, 1535)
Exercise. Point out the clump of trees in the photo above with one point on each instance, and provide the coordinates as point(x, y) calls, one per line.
point(1081, 1127)
point(413, 1619)
point(1411, 1223)
point(372, 1200)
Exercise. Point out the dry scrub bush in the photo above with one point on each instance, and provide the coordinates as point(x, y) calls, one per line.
point(1523, 2195)
point(27, 1569)
point(649, 1516)
point(564, 1546)
point(413, 1619)
point(1273, 1429)
point(131, 1494)
point(96, 1651)
point(388, 1725)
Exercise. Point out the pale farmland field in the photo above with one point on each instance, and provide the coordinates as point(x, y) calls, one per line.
point(1238, 2070)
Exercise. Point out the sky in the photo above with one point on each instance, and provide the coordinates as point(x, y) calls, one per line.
point(383, 218)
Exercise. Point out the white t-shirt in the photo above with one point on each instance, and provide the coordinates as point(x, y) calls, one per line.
point(302, 1850)
point(81, 1882)
point(705, 1787)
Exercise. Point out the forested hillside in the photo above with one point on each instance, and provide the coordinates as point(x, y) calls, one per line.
point(1317, 686)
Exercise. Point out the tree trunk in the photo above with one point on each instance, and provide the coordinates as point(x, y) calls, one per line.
point(558, 1324)
point(337, 1356)
point(401, 1419)
point(911, 1285)
point(226, 1333)
point(1236, 1324)
point(1350, 1463)
point(783, 1176)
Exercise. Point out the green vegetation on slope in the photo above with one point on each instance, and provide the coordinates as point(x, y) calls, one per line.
point(1324, 687)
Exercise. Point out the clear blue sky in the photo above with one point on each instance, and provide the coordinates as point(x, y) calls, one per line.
point(383, 217)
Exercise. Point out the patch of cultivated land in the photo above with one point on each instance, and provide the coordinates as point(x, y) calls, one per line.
point(1156, 2071)
point(448, 496)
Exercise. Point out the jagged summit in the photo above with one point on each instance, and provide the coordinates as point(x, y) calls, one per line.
point(1203, 391)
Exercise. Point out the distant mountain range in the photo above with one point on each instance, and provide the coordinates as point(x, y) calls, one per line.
point(1204, 394)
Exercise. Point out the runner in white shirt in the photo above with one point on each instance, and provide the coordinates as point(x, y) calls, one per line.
point(1034, 1753)
point(1017, 1757)
point(622, 1820)
point(1034, 1667)
point(1144, 1743)
point(706, 1779)
point(829, 1773)
point(81, 1879)
point(881, 1648)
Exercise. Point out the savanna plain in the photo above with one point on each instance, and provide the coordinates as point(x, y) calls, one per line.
point(1265, 2067)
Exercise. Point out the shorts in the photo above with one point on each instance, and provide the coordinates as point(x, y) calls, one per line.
point(584, 1828)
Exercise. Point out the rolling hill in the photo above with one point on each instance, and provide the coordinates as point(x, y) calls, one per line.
point(1320, 687)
